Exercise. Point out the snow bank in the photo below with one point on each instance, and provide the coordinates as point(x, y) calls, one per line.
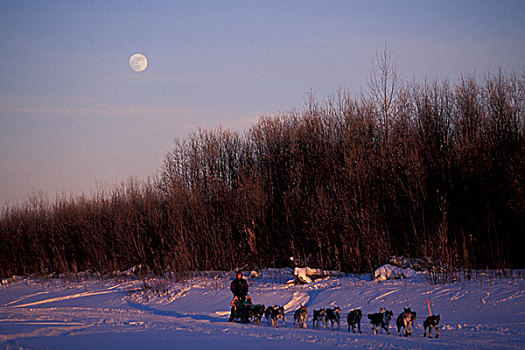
point(307, 275)
point(389, 272)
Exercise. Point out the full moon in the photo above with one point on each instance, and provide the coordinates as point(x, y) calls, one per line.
point(138, 62)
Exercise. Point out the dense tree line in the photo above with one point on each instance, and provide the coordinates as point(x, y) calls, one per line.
point(430, 170)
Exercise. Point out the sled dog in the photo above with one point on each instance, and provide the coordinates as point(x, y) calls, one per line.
point(256, 311)
point(432, 322)
point(300, 316)
point(319, 317)
point(405, 321)
point(268, 313)
point(278, 313)
point(381, 319)
point(354, 318)
point(333, 316)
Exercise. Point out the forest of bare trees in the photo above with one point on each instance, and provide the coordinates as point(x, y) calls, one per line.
point(430, 170)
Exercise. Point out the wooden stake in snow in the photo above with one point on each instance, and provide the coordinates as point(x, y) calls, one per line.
point(429, 311)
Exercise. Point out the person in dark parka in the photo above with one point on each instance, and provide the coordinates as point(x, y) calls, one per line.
point(239, 287)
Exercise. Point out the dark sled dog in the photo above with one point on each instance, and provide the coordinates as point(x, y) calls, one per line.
point(319, 316)
point(333, 316)
point(381, 320)
point(405, 320)
point(432, 322)
point(268, 313)
point(300, 316)
point(256, 311)
point(353, 319)
point(278, 313)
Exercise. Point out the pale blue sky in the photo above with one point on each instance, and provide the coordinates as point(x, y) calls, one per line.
point(73, 115)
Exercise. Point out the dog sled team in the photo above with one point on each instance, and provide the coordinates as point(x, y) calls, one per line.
point(244, 310)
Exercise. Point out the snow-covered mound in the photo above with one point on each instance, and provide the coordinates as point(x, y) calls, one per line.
point(388, 272)
point(159, 313)
point(308, 275)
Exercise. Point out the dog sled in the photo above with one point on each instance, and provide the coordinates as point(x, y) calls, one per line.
point(245, 311)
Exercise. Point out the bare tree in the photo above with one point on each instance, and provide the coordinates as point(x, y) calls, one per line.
point(384, 84)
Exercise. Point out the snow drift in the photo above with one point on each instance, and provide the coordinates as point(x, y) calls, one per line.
point(388, 272)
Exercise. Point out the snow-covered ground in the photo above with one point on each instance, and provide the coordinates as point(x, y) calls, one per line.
point(129, 313)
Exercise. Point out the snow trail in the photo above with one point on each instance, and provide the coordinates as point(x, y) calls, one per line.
point(67, 297)
point(299, 298)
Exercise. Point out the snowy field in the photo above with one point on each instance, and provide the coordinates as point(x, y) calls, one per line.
point(129, 313)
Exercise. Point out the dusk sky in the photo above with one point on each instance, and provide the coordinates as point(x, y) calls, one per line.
point(74, 116)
